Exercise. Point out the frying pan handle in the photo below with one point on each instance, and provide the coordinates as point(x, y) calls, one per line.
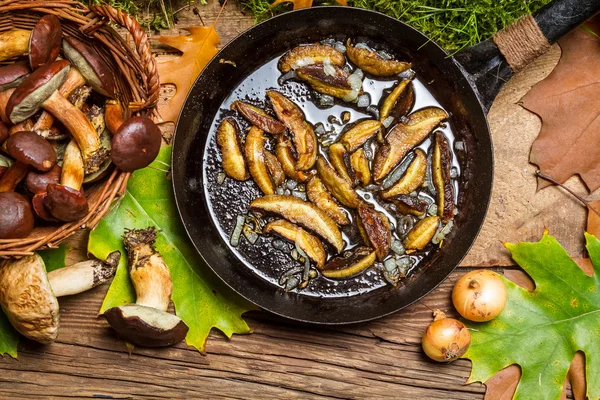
point(492, 62)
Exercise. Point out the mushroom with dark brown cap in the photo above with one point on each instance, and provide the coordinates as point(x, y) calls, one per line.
point(16, 218)
point(3, 132)
point(44, 42)
point(87, 60)
point(31, 149)
point(147, 322)
point(40, 89)
point(5, 164)
point(37, 183)
point(136, 144)
point(28, 294)
point(11, 76)
point(65, 201)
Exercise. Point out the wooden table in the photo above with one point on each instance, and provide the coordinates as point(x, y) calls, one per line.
point(282, 360)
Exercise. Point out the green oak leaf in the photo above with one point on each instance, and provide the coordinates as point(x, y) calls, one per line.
point(200, 299)
point(9, 337)
point(541, 330)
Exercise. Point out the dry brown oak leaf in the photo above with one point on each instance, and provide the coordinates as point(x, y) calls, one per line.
point(568, 104)
point(302, 3)
point(502, 386)
point(197, 50)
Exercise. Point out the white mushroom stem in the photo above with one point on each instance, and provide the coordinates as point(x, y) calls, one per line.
point(14, 43)
point(80, 127)
point(83, 276)
point(149, 273)
point(73, 169)
point(73, 81)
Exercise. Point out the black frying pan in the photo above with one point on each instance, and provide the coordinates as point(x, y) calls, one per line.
point(465, 85)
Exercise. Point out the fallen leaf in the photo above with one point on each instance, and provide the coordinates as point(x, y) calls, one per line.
point(199, 299)
point(302, 3)
point(197, 48)
point(502, 386)
point(568, 104)
point(55, 258)
point(541, 330)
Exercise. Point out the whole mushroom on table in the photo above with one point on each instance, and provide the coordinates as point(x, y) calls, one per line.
point(53, 135)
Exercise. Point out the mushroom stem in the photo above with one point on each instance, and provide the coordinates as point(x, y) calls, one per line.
point(73, 81)
point(4, 96)
point(14, 43)
point(72, 170)
point(83, 276)
point(80, 127)
point(149, 273)
point(15, 174)
point(113, 115)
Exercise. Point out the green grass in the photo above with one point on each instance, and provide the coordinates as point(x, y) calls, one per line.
point(454, 24)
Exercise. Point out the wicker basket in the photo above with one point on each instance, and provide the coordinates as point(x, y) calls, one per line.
point(137, 86)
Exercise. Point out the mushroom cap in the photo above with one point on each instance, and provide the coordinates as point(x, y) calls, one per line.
point(40, 209)
point(31, 149)
point(91, 65)
point(146, 326)
point(13, 74)
point(44, 42)
point(37, 182)
point(64, 203)
point(27, 299)
point(3, 132)
point(29, 96)
point(136, 144)
point(16, 218)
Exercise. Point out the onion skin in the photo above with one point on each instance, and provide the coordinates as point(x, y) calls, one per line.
point(479, 295)
point(446, 339)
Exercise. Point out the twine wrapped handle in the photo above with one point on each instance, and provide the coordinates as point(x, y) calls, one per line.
point(142, 46)
point(521, 43)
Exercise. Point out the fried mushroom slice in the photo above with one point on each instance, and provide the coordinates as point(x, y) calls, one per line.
point(302, 213)
point(302, 56)
point(412, 179)
point(359, 164)
point(307, 242)
point(403, 137)
point(441, 163)
point(304, 138)
point(350, 264)
point(283, 151)
point(233, 160)
point(258, 117)
point(377, 229)
point(337, 157)
point(370, 62)
point(421, 234)
point(255, 154)
point(320, 197)
point(360, 133)
point(406, 204)
point(275, 169)
point(328, 79)
point(338, 186)
point(399, 102)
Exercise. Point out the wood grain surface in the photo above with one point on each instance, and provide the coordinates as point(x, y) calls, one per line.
point(380, 359)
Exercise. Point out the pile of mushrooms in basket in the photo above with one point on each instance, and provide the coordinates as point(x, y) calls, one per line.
point(62, 128)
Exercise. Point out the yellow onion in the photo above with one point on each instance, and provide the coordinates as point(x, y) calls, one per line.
point(479, 295)
point(446, 339)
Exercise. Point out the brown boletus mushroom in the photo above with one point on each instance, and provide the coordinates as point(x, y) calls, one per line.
point(11, 76)
point(65, 201)
point(5, 164)
point(93, 67)
point(44, 42)
point(31, 149)
point(28, 294)
point(12, 176)
point(14, 43)
point(40, 89)
point(147, 322)
point(16, 218)
point(136, 144)
point(3, 132)
point(37, 183)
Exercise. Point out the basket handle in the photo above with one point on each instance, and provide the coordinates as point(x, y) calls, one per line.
point(142, 47)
